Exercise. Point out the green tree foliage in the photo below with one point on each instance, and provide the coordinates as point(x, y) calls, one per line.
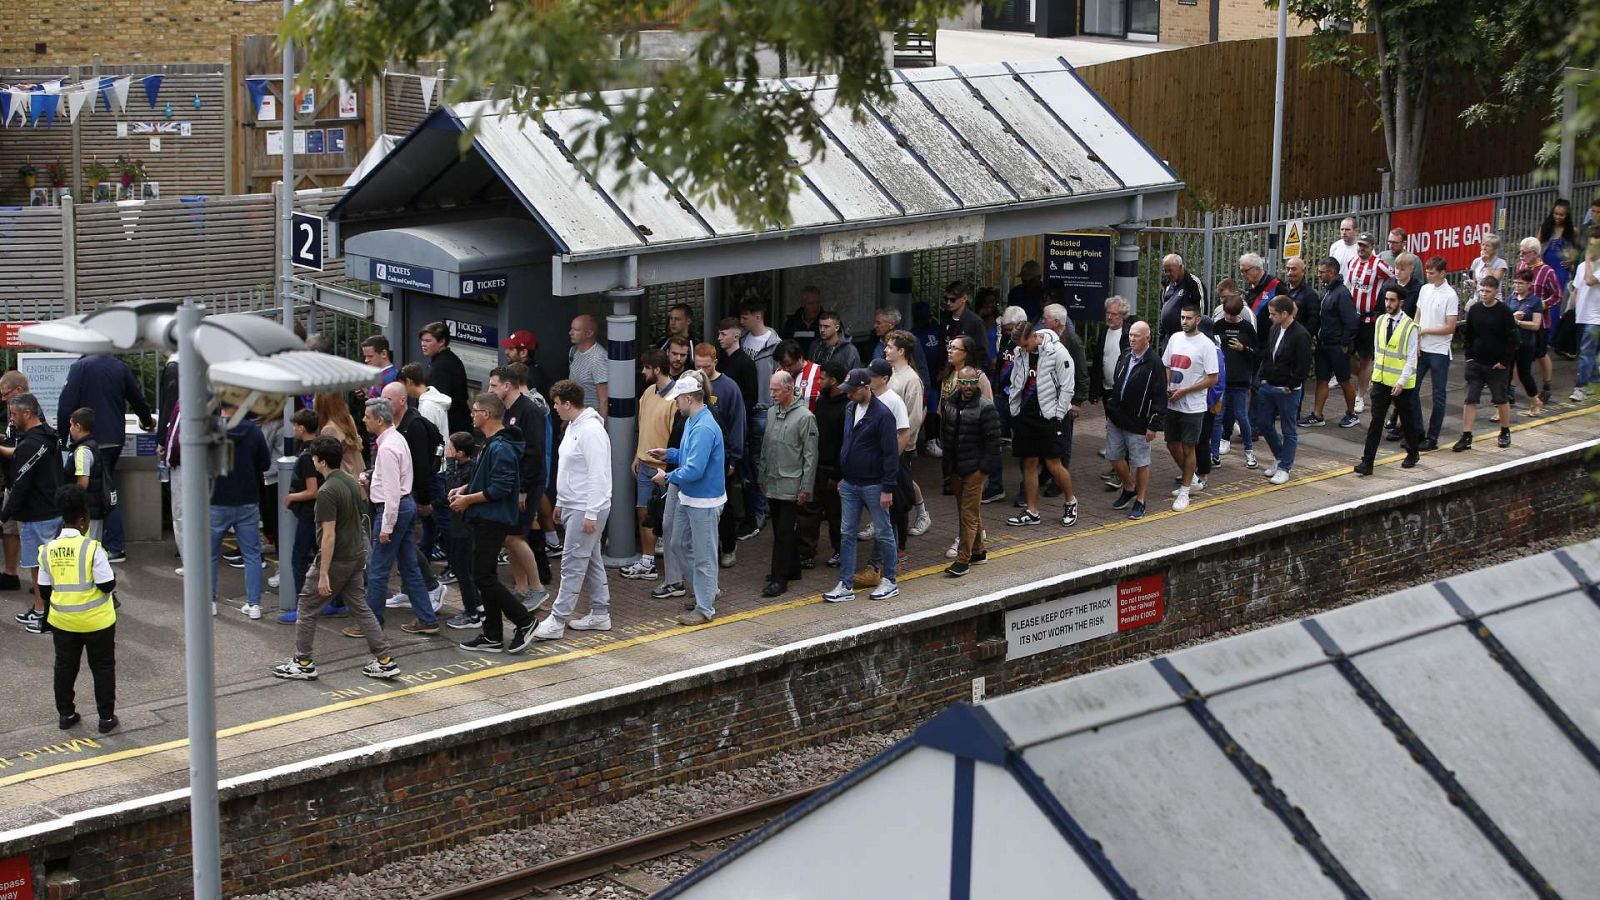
point(706, 123)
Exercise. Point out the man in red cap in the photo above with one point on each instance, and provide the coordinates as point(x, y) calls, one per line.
point(520, 348)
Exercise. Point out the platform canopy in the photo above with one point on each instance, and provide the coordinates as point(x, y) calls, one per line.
point(965, 154)
point(1436, 742)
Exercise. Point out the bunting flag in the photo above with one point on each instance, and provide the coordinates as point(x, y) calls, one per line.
point(19, 105)
point(44, 106)
point(53, 86)
point(427, 82)
point(258, 90)
point(120, 88)
point(105, 89)
point(75, 101)
point(5, 108)
point(152, 88)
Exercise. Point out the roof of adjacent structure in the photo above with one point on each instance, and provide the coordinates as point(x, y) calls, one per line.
point(1438, 741)
point(958, 140)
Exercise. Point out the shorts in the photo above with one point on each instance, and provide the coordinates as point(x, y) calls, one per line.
point(1184, 428)
point(644, 490)
point(11, 526)
point(1541, 343)
point(1497, 380)
point(1127, 445)
point(34, 536)
point(1366, 332)
point(1032, 437)
point(526, 515)
point(1332, 362)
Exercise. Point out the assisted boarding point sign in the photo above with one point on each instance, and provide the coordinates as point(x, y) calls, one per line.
point(1450, 230)
point(1079, 263)
point(1099, 613)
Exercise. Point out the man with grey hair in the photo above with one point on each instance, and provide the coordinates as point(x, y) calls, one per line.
point(394, 514)
point(1056, 319)
point(788, 475)
point(1546, 287)
point(1108, 345)
point(886, 320)
point(425, 446)
point(1259, 289)
point(1181, 287)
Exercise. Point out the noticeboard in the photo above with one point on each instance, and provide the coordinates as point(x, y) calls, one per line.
point(1078, 265)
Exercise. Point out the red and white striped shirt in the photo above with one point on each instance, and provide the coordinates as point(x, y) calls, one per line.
point(1547, 287)
point(1364, 277)
point(808, 384)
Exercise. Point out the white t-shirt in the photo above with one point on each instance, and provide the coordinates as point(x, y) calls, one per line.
point(1112, 353)
point(1434, 305)
point(897, 406)
point(1189, 359)
point(1479, 268)
point(1585, 296)
point(1343, 253)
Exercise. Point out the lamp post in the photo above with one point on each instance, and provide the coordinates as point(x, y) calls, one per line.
point(268, 363)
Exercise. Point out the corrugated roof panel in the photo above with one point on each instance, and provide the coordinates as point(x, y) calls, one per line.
point(1033, 122)
point(558, 193)
point(973, 183)
point(1397, 834)
point(1513, 760)
point(989, 138)
point(1555, 641)
point(1127, 784)
point(647, 200)
point(896, 169)
point(838, 178)
point(1105, 134)
point(1088, 701)
point(1008, 826)
point(1505, 585)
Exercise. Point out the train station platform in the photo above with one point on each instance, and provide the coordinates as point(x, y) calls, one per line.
point(685, 699)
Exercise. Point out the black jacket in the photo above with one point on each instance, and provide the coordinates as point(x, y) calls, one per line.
point(971, 434)
point(447, 374)
point(1240, 364)
point(830, 412)
point(970, 324)
point(1137, 402)
point(1410, 293)
point(526, 416)
point(35, 475)
point(1336, 319)
point(427, 451)
point(1097, 353)
point(1173, 296)
point(1291, 364)
point(167, 405)
point(1306, 306)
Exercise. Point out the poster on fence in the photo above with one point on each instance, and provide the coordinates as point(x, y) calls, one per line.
point(1450, 230)
point(1078, 264)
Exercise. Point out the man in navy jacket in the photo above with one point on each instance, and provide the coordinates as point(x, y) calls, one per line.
point(106, 385)
point(869, 467)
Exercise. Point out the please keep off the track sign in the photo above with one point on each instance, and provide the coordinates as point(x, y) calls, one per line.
point(1074, 619)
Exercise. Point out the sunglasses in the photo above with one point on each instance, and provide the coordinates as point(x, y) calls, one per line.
point(966, 382)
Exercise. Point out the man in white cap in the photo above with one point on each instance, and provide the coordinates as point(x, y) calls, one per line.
point(700, 469)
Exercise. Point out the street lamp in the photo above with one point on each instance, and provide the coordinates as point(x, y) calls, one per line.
point(234, 353)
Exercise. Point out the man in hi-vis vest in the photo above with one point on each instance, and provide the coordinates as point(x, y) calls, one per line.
point(1394, 377)
point(75, 581)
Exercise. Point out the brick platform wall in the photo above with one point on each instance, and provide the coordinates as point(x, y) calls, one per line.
point(313, 825)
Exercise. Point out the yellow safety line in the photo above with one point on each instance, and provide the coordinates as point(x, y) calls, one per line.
point(610, 647)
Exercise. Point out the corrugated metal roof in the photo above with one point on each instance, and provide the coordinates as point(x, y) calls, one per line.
point(959, 140)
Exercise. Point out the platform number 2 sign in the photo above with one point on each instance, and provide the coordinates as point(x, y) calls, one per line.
point(306, 241)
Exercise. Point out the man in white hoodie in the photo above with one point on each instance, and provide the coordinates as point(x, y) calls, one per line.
point(583, 504)
point(434, 406)
point(1040, 395)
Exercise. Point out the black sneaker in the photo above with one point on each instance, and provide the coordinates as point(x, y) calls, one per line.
point(1410, 462)
point(979, 558)
point(833, 561)
point(520, 639)
point(69, 720)
point(1363, 468)
point(670, 589)
point(464, 621)
point(1504, 440)
point(1429, 444)
point(1026, 517)
point(10, 582)
point(502, 559)
point(28, 615)
point(1123, 500)
point(448, 576)
point(956, 569)
point(233, 559)
point(810, 562)
point(108, 724)
point(438, 555)
point(482, 644)
point(749, 532)
point(1392, 435)
point(553, 549)
point(121, 556)
point(1069, 513)
point(991, 496)
point(1465, 442)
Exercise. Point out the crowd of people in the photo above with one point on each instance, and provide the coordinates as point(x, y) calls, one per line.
point(784, 430)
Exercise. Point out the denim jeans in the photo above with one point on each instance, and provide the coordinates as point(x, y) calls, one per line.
point(1435, 366)
point(853, 498)
point(436, 528)
point(1279, 406)
point(1236, 408)
point(694, 536)
point(1588, 342)
point(400, 550)
point(115, 542)
point(245, 522)
point(305, 539)
point(671, 563)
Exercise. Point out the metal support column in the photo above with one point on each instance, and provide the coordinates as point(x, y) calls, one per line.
point(285, 463)
point(1273, 226)
point(69, 254)
point(900, 283)
point(195, 436)
point(1125, 261)
point(622, 345)
point(710, 313)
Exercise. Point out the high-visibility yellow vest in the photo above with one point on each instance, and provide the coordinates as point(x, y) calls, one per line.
point(76, 602)
point(1389, 356)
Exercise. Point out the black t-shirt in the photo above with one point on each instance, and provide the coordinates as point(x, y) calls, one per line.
point(303, 470)
point(742, 369)
point(1030, 388)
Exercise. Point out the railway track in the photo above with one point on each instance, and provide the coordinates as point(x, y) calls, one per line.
point(617, 858)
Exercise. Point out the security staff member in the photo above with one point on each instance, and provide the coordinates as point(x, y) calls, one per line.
point(1394, 376)
point(75, 581)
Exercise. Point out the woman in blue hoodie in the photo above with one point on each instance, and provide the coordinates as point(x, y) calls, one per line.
point(700, 469)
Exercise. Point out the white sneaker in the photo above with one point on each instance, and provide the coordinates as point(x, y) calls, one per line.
point(1361, 404)
point(1197, 484)
point(885, 590)
point(272, 581)
point(590, 622)
point(398, 601)
point(935, 449)
point(922, 523)
point(550, 629)
point(1224, 447)
point(839, 594)
point(1271, 471)
point(178, 571)
point(1280, 477)
point(867, 533)
point(252, 610)
point(955, 549)
point(1181, 501)
point(213, 607)
point(1250, 459)
point(640, 570)
point(437, 596)
point(1578, 395)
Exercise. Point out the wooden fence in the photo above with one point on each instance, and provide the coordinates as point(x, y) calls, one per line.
point(1208, 110)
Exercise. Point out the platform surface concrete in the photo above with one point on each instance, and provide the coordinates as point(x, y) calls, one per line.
point(265, 723)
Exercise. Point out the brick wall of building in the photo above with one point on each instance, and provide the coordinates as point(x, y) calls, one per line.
point(350, 819)
point(129, 31)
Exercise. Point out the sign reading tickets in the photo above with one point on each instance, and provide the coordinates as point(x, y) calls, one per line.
point(1450, 230)
point(472, 333)
point(1079, 263)
point(16, 879)
point(1101, 612)
point(404, 276)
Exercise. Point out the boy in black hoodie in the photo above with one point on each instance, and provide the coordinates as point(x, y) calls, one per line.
point(461, 463)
